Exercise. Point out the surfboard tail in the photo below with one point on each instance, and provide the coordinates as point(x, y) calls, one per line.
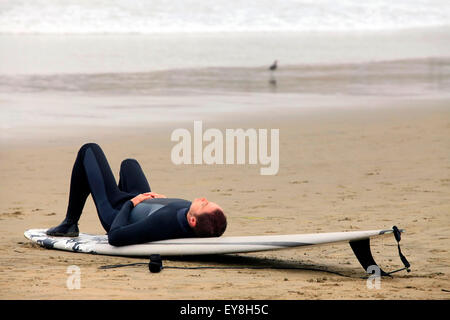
point(361, 249)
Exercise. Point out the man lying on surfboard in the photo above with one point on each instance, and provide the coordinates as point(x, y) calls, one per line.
point(129, 212)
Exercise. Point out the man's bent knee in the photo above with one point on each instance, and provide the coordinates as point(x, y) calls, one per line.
point(89, 145)
point(128, 162)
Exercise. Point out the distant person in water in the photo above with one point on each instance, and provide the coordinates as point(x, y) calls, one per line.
point(129, 212)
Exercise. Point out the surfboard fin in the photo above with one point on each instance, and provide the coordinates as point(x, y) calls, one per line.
point(361, 249)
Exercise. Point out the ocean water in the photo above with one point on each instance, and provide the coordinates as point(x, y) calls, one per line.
point(174, 16)
point(75, 62)
point(398, 78)
point(114, 36)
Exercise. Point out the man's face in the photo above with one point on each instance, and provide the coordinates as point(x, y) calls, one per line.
point(203, 206)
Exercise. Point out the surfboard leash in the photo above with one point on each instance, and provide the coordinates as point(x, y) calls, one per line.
point(155, 265)
point(397, 235)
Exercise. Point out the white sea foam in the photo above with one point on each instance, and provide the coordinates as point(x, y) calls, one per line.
point(167, 16)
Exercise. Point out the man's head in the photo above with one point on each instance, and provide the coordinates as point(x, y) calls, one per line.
point(206, 218)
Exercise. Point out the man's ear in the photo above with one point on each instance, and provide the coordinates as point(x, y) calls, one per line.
point(192, 221)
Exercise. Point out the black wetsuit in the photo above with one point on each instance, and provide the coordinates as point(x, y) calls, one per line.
point(151, 220)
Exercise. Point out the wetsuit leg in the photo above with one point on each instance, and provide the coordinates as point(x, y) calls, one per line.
point(132, 178)
point(91, 174)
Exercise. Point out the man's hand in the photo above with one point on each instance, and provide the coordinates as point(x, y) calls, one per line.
point(144, 196)
point(156, 195)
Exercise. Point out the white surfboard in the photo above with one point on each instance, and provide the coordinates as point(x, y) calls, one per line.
point(98, 244)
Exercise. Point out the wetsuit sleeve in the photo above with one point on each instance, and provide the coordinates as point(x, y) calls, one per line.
point(121, 218)
point(161, 225)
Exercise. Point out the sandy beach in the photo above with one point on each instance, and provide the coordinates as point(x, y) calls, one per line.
point(340, 170)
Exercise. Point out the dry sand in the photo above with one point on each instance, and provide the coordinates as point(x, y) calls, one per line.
point(340, 170)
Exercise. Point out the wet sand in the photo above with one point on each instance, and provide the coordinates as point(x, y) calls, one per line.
point(341, 169)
